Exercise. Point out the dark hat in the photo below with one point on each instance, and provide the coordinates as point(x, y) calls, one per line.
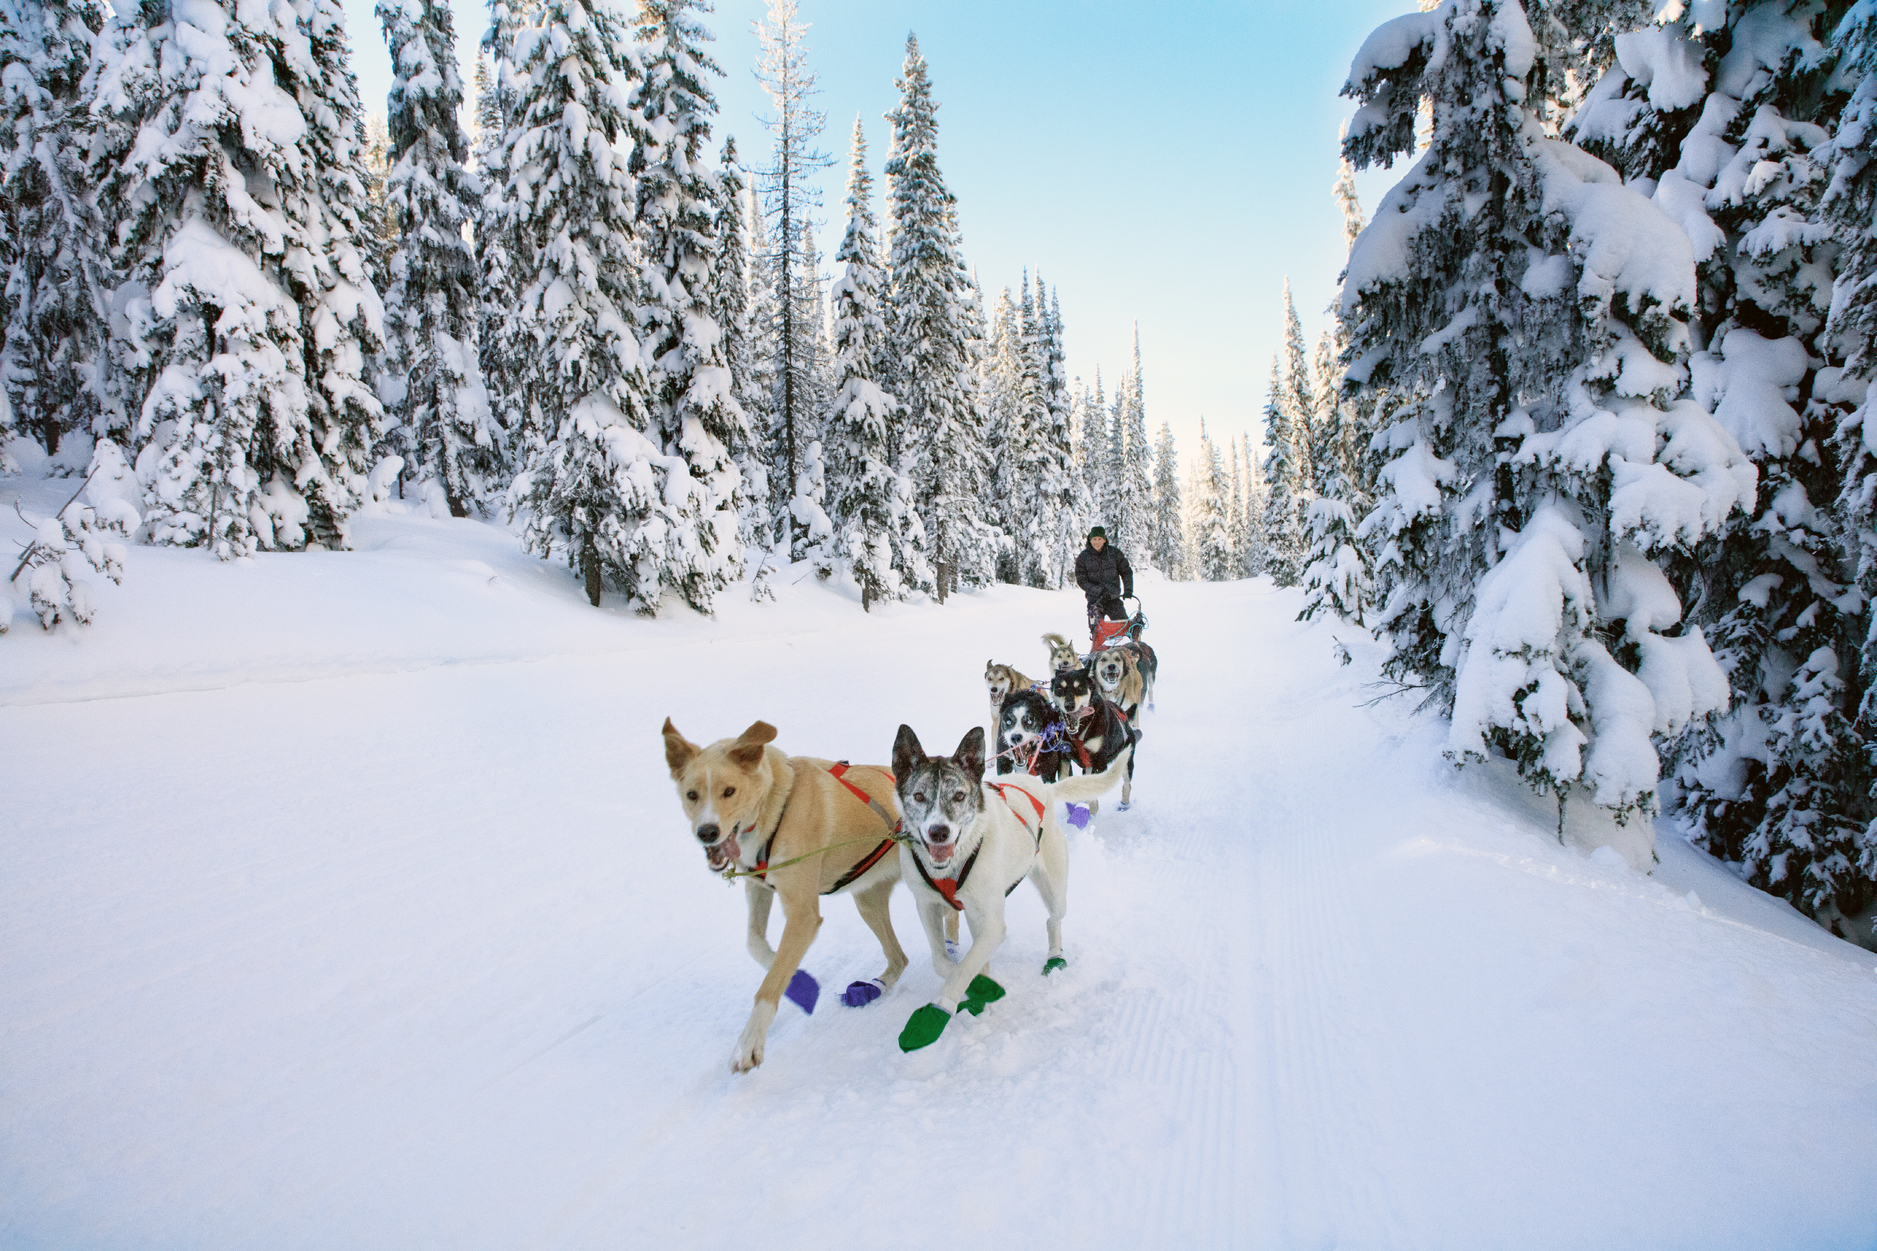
point(1098, 533)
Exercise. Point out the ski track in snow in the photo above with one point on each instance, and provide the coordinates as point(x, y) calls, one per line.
point(402, 953)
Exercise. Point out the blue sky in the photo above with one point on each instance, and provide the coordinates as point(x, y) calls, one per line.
point(1168, 164)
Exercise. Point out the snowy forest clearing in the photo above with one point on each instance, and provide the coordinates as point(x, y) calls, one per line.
point(372, 926)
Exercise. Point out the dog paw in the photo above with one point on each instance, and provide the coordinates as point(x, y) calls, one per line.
point(1078, 816)
point(1124, 805)
point(1052, 964)
point(746, 1058)
point(860, 994)
point(803, 991)
point(924, 1027)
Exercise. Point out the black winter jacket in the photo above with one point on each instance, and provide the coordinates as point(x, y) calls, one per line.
point(1104, 573)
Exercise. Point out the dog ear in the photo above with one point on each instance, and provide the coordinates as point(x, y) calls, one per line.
point(970, 756)
point(747, 751)
point(907, 755)
point(678, 752)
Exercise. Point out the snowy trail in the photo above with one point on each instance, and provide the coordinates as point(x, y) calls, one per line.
point(425, 958)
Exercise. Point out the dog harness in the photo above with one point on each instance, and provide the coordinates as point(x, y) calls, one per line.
point(867, 861)
point(948, 888)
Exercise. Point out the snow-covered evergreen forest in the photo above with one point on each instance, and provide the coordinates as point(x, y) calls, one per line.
point(1585, 442)
point(380, 467)
point(556, 299)
point(1588, 445)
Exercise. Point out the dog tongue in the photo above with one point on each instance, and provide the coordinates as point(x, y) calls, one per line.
point(940, 854)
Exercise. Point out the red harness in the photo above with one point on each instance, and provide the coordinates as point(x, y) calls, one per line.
point(866, 862)
point(948, 888)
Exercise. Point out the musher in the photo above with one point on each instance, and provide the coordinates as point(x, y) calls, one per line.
point(1105, 577)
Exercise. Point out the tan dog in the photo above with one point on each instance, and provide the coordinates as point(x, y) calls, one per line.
point(1118, 678)
point(751, 806)
point(1062, 653)
point(1001, 680)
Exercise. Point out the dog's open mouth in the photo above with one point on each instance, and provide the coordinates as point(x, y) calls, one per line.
point(724, 852)
point(941, 854)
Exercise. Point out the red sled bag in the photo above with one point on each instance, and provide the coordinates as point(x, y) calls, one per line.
point(1108, 633)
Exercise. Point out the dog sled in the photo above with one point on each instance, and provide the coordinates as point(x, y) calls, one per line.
point(1113, 633)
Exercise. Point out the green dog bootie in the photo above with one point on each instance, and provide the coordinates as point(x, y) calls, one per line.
point(923, 1027)
point(1052, 964)
point(982, 991)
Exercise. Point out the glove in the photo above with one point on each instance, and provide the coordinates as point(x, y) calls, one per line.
point(803, 991)
point(924, 1027)
point(860, 994)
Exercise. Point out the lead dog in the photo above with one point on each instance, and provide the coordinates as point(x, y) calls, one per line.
point(751, 806)
point(967, 844)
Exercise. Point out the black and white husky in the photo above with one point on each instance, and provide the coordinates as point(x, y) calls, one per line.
point(1030, 737)
point(968, 842)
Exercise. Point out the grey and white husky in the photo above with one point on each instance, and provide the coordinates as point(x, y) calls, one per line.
point(969, 841)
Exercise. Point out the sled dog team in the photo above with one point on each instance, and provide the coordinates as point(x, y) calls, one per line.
point(799, 827)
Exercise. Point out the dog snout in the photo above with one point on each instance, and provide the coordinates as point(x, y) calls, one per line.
point(708, 833)
point(938, 834)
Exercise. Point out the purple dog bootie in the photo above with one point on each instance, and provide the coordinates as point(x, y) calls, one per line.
point(803, 991)
point(860, 994)
point(1078, 816)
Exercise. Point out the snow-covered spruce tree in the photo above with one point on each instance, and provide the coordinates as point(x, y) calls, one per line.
point(1214, 537)
point(1252, 554)
point(1018, 416)
point(1850, 208)
point(1235, 511)
point(696, 416)
point(432, 344)
point(328, 266)
point(1163, 539)
point(1291, 431)
point(1121, 505)
point(929, 306)
point(1534, 495)
point(759, 469)
point(380, 228)
point(241, 321)
point(51, 302)
point(592, 481)
point(1730, 121)
point(1092, 453)
point(1137, 462)
point(789, 197)
point(1002, 386)
point(866, 496)
point(1335, 577)
point(731, 270)
point(1281, 519)
point(1061, 479)
point(497, 97)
